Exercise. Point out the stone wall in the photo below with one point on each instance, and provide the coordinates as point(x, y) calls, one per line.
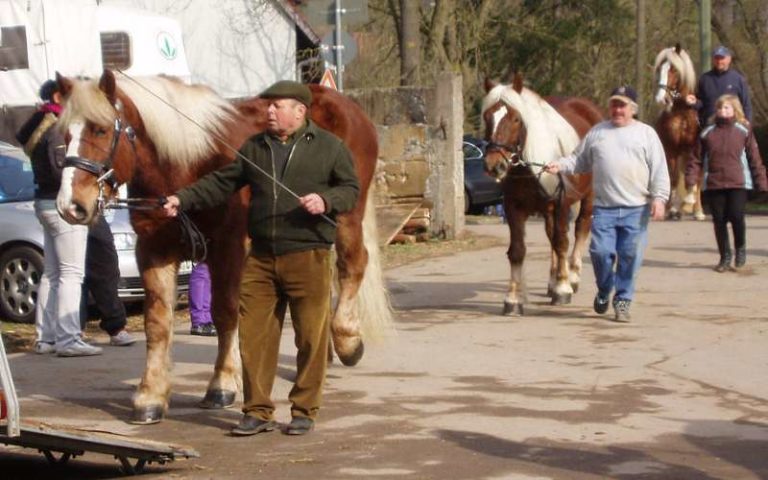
point(420, 160)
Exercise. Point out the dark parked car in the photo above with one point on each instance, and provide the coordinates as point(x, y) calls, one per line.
point(480, 189)
point(21, 243)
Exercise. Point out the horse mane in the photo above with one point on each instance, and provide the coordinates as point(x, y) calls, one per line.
point(177, 139)
point(682, 63)
point(549, 135)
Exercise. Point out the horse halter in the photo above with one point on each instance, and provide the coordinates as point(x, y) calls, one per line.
point(103, 171)
point(512, 155)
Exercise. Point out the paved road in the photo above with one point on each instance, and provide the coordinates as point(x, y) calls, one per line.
point(463, 393)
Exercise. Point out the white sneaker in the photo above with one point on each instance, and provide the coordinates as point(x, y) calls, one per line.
point(44, 347)
point(122, 339)
point(79, 349)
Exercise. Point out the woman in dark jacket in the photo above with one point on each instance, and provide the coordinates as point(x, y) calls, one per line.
point(731, 164)
point(57, 317)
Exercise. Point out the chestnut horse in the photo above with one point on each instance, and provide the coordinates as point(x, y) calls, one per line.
point(525, 132)
point(157, 135)
point(678, 126)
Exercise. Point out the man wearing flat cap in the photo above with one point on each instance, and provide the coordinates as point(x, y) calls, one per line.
point(631, 185)
point(305, 177)
point(721, 80)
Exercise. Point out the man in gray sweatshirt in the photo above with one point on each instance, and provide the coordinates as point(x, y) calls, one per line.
point(631, 185)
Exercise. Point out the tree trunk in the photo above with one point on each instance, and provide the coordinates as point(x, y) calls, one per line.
point(410, 43)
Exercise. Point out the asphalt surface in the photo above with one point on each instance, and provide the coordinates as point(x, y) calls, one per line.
point(461, 392)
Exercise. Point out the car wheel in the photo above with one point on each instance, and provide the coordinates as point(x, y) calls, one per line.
point(21, 269)
point(467, 202)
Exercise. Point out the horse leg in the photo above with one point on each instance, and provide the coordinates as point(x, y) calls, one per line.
point(225, 264)
point(557, 231)
point(150, 402)
point(582, 226)
point(352, 258)
point(513, 303)
point(673, 211)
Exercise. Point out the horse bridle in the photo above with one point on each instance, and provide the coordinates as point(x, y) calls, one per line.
point(512, 155)
point(104, 171)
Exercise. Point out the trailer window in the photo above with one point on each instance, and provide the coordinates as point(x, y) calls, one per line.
point(116, 50)
point(13, 48)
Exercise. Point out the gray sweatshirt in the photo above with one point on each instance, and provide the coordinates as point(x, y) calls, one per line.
point(628, 164)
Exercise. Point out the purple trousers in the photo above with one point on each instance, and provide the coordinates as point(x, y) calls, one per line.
point(200, 295)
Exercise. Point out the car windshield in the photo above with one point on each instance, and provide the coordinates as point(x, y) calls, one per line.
point(17, 183)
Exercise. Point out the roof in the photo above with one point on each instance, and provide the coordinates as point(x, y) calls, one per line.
point(290, 9)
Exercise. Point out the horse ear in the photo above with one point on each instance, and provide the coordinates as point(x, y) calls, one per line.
point(490, 84)
point(678, 47)
point(517, 82)
point(108, 85)
point(65, 84)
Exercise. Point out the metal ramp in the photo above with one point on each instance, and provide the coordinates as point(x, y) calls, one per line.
point(61, 443)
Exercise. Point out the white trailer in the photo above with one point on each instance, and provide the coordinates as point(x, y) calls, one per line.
point(77, 38)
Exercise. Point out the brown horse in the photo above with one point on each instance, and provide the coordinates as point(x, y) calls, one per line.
point(157, 135)
point(525, 132)
point(677, 126)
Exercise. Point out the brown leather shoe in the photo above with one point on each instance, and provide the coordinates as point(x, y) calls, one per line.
point(300, 426)
point(251, 426)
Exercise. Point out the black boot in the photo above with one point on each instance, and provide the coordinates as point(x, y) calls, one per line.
point(741, 257)
point(725, 262)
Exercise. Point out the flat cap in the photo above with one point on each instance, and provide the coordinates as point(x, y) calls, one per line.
point(289, 89)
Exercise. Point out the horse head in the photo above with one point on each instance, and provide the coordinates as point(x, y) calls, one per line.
point(504, 129)
point(155, 133)
point(674, 74)
point(102, 125)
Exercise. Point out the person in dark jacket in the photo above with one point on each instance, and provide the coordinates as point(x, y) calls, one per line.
point(731, 164)
point(102, 274)
point(57, 318)
point(290, 262)
point(721, 80)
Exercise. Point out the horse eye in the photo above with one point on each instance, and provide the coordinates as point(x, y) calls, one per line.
point(99, 132)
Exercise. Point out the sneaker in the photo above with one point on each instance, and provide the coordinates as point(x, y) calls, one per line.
point(205, 330)
point(600, 304)
point(621, 310)
point(44, 347)
point(79, 349)
point(122, 339)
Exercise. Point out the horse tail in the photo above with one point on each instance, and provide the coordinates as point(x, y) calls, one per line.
point(373, 307)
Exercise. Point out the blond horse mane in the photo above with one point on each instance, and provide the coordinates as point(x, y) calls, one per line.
point(682, 63)
point(176, 138)
point(549, 135)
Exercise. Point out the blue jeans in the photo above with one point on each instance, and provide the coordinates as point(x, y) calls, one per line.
point(619, 237)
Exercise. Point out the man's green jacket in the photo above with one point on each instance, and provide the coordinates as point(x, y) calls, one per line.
point(318, 163)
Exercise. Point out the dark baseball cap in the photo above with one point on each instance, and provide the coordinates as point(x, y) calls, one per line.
point(721, 51)
point(289, 89)
point(624, 93)
point(47, 89)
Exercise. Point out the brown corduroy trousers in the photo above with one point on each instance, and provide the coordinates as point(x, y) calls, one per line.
point(300, 281)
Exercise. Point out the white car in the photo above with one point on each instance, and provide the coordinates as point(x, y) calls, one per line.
point(21, 243)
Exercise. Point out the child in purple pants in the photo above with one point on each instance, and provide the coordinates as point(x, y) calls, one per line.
point(200, 301)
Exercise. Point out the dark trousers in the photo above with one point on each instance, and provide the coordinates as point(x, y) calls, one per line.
point(300, 281)
point(727, 205)
point(102, 273)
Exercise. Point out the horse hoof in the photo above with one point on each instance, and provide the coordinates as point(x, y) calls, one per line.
point(217, 399)
point(147, 415)
point(512, 309)
point(561, 299)
point(575, 287)
point(353, 359)
point(550, 292)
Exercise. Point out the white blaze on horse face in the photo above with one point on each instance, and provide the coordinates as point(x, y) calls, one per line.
point(661, 93)
point(64, 198)
point(497, 116)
